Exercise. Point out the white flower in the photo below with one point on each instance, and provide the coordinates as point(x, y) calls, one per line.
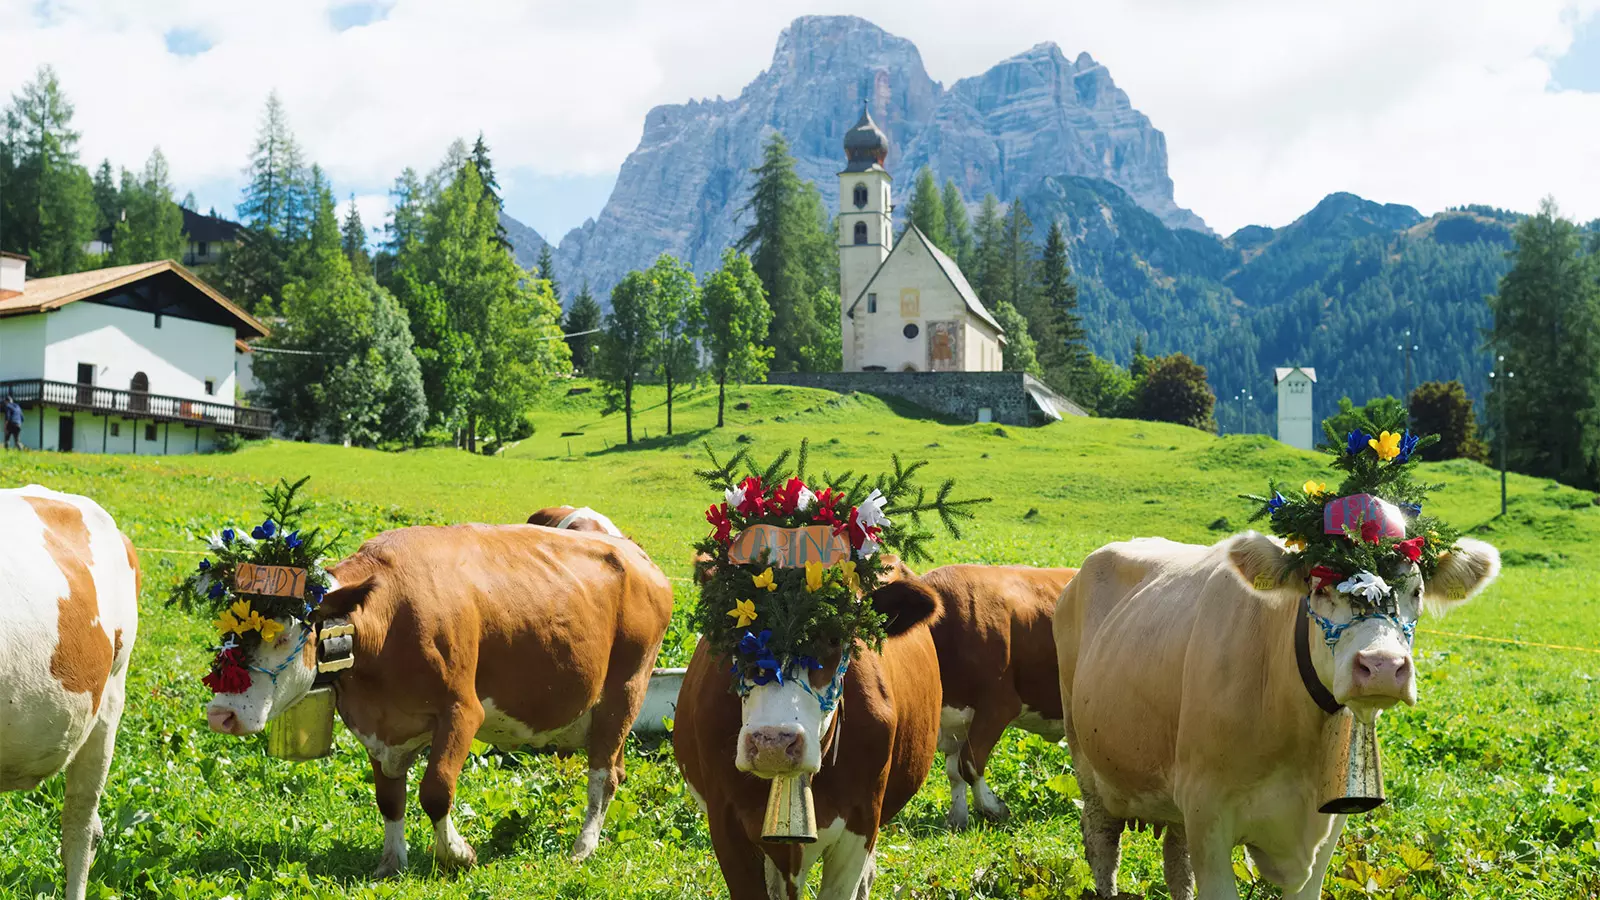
point(245, 539)
point(868, 547)
point(871, 511)
point(214, 541)
point(1365, 584)
point(803, 502)
point(734, 496)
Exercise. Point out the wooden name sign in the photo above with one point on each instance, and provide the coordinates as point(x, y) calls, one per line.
point(270, 581)
point(789, 548)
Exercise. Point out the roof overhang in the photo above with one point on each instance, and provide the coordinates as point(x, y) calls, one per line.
point(246, 326)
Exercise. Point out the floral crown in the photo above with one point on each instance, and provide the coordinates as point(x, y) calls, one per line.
point(273, 572)
point(788, 566)
point(1371, 522)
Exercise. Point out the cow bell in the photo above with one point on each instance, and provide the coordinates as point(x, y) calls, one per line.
point(304, 731)
point(791, 815)
point(1352, 776)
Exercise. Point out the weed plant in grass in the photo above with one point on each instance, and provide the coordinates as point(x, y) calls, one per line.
point(1494, 778)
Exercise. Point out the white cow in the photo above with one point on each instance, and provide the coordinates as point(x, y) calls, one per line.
point(1186, 707)
point(69, 587)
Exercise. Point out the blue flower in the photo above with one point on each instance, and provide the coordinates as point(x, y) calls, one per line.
point(317, 593)
point(227, 535)
point(752, 645)
point(205, 564)
point(809, 662)
point(768, 669)
point(1411, 509)
point(1408, 445)
point(293, 540)
point(265, 530)
point(217, 590)
point(306, 613)
point(1277, 502)
point(1356, 442)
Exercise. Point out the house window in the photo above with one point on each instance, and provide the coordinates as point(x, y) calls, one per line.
point(150, 431)
point(158, 320)
point(211, 387)
point(911, 331)
point(861, 232)
point(861, 196)
point(203, 250)
point(140, 386)
point(872, 303)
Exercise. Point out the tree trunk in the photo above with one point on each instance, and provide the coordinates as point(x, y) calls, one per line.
point(472, 432)
point(722, 393)
point(627, 405)
point(669, 401)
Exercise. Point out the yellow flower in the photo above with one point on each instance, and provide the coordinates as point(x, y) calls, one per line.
point(269, 630)
point(1386, 445)
point(226, 623)
point(1296, 544)
point(1315, 489)
point(848, 567)
point(743, 612)
point(814, 576)
point(765, 580)
point(240, 609)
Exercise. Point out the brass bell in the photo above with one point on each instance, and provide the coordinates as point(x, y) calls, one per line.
point(791, 815)
point(304, 731)
point(1352, 775)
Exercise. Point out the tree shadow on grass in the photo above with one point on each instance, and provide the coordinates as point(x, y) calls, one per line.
point(680, 438)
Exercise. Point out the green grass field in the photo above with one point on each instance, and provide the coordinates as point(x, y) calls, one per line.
point(1494, 779)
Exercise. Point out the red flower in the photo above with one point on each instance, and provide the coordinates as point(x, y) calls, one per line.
point(717, 515)
point(826, 501)
point(1372, 531)
point(1322, 576)
point(755, 497)
point(853, 526)
point(228, 674)
point(785, 499)
point(1411, 549)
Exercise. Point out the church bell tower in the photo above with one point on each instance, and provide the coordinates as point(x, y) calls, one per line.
point(866, 227)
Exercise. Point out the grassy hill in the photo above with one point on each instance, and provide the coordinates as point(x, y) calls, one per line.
point(1491, 793)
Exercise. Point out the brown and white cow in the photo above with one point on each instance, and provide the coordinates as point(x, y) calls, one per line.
point(69, 589)
point(580, 518)
point(997, 662)
point(868, 755)
point(511, 634)
point(1186, 707)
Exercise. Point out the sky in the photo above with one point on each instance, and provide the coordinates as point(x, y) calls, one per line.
point(1266, 106)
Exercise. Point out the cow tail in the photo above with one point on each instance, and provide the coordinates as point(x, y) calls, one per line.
point(969, 766)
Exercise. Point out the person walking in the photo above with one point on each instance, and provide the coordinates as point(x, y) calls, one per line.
point(13, 417)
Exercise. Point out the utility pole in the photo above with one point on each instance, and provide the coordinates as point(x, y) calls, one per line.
point(1244, 395)
point(1502, 387)
point(1408, 347)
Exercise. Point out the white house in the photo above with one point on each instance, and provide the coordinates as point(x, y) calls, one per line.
point(905, 308)
point(133, 359)
point(1296, 424)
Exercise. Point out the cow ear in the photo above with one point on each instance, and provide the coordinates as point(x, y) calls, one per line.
point(1260, 560)
point(895, 570)
point(1464, 571)
point(906, 604)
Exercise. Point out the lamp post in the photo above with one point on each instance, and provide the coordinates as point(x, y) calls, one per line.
point(1244, 395)
point(1407, 348)
point(1502, 388)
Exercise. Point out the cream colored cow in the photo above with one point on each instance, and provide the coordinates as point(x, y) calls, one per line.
point(1185, 706)
point(69, 587)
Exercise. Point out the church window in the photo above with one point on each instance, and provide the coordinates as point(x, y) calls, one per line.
point(861, 196)
point(861, 232)
point(911, 331)
point(872, 303)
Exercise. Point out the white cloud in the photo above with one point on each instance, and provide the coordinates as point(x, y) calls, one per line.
point(1266, 106)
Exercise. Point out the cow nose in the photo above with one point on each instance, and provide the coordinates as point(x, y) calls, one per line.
point(775, 749)
point(1382, 673)
point(223, 721)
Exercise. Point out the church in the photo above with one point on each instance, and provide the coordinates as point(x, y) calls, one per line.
point(905, 306)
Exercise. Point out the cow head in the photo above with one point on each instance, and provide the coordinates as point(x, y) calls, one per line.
point(281, 672)
point(785, 723)
point(1362, 650)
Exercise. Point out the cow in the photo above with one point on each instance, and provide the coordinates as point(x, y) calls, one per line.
point(511, 634)
point(997, 663)
point(574, 518)
point(1186, 707)
point(69, 590)
point(868, 756)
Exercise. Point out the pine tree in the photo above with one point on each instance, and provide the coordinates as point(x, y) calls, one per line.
point(491, 187)
point(927, 211)
point(107, 200)
point(678, 306)
point(989, 254)
point(407, 206)
point(584, 316)
point(354, 237)
point(957, 224)
point(629, 343)
point(47, 205)
point(1066, 358)
point(736, 318)
point(271, 172)
point(302, 190)
point(151, 225)
point(547, 270)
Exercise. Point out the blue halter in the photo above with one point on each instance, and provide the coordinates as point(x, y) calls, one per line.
point(273, 673)
point(1332, 631)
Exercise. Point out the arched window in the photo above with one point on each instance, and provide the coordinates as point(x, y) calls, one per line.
point(861, 232)
point(140, 386)
point(861, 196)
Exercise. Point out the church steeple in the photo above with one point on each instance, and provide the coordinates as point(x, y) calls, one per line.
point(865, 145)
point(866, 229)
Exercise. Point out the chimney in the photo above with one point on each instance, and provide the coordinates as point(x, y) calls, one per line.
point(13, 271)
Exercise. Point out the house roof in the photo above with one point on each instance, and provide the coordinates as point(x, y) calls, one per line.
point(45, 294)
point(9, 255)
point(1282, 372)
point(201, 227)
point(947, 266)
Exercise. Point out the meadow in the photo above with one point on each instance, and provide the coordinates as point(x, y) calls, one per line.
point(1493, 779)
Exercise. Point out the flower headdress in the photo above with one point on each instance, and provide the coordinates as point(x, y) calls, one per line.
point(245, 614)
point(1371, 523)
point(790, 563)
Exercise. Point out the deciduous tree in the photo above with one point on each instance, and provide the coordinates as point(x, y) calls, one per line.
point(1018, 354)
point(1443, 408)
point(678, 305)
point(736, 318)
point(1175, 390)
point(629, 344)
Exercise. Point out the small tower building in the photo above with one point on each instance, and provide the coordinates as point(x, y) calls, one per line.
point(1296, 424)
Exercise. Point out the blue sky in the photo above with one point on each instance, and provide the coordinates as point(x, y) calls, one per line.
point(1265, 106)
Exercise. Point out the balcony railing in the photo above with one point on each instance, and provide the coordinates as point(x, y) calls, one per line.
point(137, 405)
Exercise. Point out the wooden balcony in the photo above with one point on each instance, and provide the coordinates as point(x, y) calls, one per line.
point(36, 392)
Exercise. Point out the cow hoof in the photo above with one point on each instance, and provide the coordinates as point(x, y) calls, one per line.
point(957, 822)
point(388, 868)
point(456, 858)
point(584, 848)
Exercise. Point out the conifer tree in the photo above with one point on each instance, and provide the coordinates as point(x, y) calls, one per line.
point(353, 237)
point(736, 318)
point(47, 200)
point(1066, 358)
point(957, 224)
point(989, 254)
point(491, 186)
point(107, 199)
point(270, 172)
point(150, 226)
point(927, 210)
point(547, 271)
point(584, 316)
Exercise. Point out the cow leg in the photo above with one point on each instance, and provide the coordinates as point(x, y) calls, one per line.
point(957, 819)
point(86, 779)
point(608, 733)
point(1312, 889)
point(1175, 864)
point(452, 741)
point(1102, 842)
point(987, 727)
point(391, 795)
point(848, 868)
point(1211, 856)
point(742, 862)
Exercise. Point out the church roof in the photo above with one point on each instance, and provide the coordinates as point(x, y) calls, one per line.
point(865, 145)
point(1283, 372)
point(947, 266)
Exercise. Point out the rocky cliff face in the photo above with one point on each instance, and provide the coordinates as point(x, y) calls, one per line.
point(1037, 114)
